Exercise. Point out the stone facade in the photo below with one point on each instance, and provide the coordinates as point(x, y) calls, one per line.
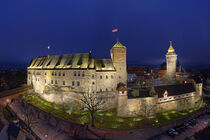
point(62, 78)
point(146, 106)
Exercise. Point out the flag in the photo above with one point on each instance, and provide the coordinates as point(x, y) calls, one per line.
point(114, 30)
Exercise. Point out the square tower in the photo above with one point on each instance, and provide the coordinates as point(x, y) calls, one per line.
point(118, 56)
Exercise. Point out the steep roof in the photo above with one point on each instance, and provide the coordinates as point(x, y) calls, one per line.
point(118, 44)
point(71, 61)
point(171, 50)
point(174, 89)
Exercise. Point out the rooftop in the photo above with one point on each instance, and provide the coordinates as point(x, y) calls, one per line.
point(71, 61)
point(172, 90)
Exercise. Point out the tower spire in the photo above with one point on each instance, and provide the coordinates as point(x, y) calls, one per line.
point(170, 43)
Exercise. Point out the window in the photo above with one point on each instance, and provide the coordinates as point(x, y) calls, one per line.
point(64, 73)
point(100, 90)
point(51, 81)
point(59, 73)
point(28, 78)
point(92, 75)
point(45, 81)
point(53, 73)
point(93, 83)
point(78, 73)
point(45, 73)
point(106, 76)
point(75, 73)
point(38, 73)
point(106, 89)
point(119, 77)
point(36, 79)
point(101, 76)
point(72, 83)
point(112, 77)
point(78, 83)
point(56, 82)
point(64, 82)
point(83, 74)
point(112, 89)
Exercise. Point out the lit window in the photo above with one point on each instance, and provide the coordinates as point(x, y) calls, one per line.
point(78, 83)
point(59, 73)
point(51, 81)
point(72, 83)
point(78, 73)
point(64, 73)
point(106, 76)
point(112, 76)
point(75, 73)
point(83, 74)
point(56, 82)
point(101, 76)
point(64, 82)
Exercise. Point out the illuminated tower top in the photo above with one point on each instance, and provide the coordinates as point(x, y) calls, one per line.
point(171, 50)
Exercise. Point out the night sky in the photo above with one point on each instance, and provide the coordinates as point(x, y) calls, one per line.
point(27, 27)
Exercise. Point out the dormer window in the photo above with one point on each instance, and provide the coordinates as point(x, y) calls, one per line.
point(165, 95)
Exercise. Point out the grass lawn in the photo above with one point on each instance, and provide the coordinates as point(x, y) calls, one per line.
point(109, 119)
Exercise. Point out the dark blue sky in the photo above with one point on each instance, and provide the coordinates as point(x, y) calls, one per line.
point(27, 27)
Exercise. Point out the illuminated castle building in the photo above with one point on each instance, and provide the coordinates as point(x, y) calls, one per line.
point(63, 78)
point(79, 72)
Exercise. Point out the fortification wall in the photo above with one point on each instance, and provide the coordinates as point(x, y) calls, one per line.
point(136, 107)
point(181, 104)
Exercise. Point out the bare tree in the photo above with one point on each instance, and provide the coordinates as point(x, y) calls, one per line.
point(93, 103)
point(29, 118)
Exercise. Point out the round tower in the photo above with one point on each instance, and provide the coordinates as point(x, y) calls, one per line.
point(171, 58)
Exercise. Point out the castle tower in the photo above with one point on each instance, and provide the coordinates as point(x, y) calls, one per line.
point(118, 56)
point(122, 102)
point(171, 58)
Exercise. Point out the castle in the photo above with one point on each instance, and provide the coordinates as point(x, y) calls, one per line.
point(62, 78)
point(79, 72)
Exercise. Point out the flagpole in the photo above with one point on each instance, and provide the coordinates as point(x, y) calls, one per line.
point(117, 36)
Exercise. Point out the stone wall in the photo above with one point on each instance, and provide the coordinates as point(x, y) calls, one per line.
point(136, 107)
point(181, 104)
